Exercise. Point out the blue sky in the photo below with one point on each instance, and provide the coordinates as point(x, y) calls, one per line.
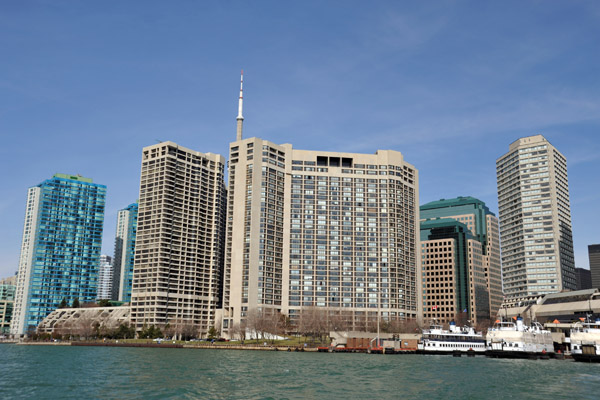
point(85, 85)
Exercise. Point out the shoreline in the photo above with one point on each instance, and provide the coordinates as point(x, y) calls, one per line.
point(170, 345)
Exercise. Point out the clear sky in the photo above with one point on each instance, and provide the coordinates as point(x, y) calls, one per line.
point(85, 85)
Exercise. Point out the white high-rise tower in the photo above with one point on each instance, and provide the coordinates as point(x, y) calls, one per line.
point(535, 219)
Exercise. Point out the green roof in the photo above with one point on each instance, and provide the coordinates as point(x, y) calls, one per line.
point(73, 177)
point(456, 202)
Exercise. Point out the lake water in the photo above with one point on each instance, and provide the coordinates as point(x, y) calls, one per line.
point(61, 372)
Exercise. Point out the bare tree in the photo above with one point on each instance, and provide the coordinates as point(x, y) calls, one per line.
point(461, 318)
point(169, 330)
point(337, 322)
point(313, 323)
point(254, 323)
point(236, 331)
point(276, 324)
point(84, 327)
point(483, 325)
point(409, 326)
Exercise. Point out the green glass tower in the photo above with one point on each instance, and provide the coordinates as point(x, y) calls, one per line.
point(60, 251)
point(483, 225)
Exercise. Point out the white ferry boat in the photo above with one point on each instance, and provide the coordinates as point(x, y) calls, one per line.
point(585, 341)
point(517, 340)
point(457, 340)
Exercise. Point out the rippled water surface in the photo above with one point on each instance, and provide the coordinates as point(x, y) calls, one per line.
point(60, 372)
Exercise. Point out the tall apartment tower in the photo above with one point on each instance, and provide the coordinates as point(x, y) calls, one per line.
point(594, 256)
point(319, 231)
point(535, 219)
point(124, 255)
point(60, 251)
point(455, 285)
point(179, 246)
point(310, 229)
point(105, 277)
point(483, 226)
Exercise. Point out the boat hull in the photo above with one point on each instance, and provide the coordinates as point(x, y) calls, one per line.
point(451, 352)
point(516, 354)
point(589, 358)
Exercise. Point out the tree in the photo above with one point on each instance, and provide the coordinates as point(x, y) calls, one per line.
point(337, 322)
point(483, 325)
point(313, 323)
point(409, 326)
point(63, 303)
point(212, 333)
point(85, 327)
point(104, 303)
point(124, 331)
point(237, 331)
point(76, 303)
point(150, 332)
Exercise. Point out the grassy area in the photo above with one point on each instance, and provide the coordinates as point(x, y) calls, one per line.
point(292, 341)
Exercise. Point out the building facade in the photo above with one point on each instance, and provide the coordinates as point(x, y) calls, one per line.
point(535, 219)
point(311, 230)
point(7, 302)
point(124, 255)
point(105, 277)
point(178, 266)
point(594, 257)
point(584, 278)
point(60, 251)
point(455, 286)
point(483, 226)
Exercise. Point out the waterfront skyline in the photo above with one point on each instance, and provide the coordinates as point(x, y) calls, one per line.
point(445, 84)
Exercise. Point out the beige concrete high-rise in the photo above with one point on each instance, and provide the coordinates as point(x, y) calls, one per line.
point(315, 231)
point(535, 219)
point(180, 238)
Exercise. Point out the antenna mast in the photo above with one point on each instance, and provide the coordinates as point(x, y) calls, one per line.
point(240, 118)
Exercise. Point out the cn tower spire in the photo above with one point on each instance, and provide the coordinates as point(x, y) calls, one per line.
point(240, 118)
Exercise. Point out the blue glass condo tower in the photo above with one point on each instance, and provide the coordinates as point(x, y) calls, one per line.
point(60, 252)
